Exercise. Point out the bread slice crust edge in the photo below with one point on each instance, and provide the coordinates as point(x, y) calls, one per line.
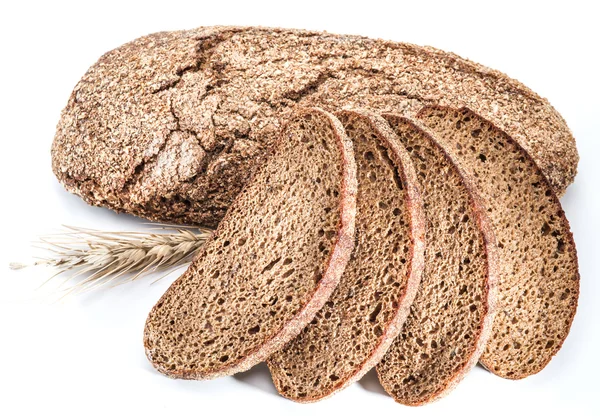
point(417, 227)
point(489, 246)
point(338, 258)
point(486, 362)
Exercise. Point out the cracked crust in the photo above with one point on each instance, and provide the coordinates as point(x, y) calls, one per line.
point(171, 125)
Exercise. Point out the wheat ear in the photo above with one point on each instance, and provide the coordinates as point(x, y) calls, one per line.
point(94, 258)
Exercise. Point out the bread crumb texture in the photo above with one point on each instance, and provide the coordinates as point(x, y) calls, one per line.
point(539, 274)
point(450, 319)
point(271, 264)
point(353, 330)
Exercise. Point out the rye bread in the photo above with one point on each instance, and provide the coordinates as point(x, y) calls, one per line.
point(451, 318)
point(171, 125)
point(539, 275)
point(270, 266)
point(353, 330)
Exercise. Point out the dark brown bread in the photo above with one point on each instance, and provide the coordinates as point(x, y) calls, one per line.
point(171, 126)
point(539, 275)
point(358, 323)
point(451, 318)
point(271, 265)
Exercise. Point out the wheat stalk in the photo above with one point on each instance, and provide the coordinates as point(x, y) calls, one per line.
point(95, 258)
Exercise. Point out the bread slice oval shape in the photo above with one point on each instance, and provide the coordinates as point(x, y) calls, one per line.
point(451, 317)
point(272, 263)
point(353, 330)
point(168, 126)
point(538, 288)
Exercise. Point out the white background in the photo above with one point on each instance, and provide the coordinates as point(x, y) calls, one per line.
point(83, 358)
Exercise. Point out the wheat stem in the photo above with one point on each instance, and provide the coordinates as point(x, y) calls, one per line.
point(94, 258)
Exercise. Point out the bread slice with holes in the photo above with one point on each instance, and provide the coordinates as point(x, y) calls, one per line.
point(272, 263)
point(351, 333)
point(451, 317)
point(539, 274)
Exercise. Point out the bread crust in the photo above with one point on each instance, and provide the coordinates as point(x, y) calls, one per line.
point(336, 264)
point(490, 303)
point(130, 140)
point(417, 254)
point(567, 236)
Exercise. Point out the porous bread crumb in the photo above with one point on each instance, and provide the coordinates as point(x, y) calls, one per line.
point(353, 330)
point(451, 317)
point(272, 263)
point(539, 275)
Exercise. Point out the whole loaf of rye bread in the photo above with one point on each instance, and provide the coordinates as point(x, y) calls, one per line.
point(171, 126)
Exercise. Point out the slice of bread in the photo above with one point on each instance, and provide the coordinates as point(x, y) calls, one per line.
point(451, 318)
point(539, 275)
point(270, 266)
point(351, 333)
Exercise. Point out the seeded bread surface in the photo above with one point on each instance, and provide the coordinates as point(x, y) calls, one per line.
point(172, 125)
point(267, 269)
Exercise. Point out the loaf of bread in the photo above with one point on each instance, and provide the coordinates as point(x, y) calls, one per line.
point(171, 126)
point(186, 127)
point(451, 318)
point(539, 275)
point(270, 266)
point(365, 313)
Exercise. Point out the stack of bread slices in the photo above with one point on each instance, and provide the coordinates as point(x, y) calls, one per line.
point(416, 246)
point(414, 242)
